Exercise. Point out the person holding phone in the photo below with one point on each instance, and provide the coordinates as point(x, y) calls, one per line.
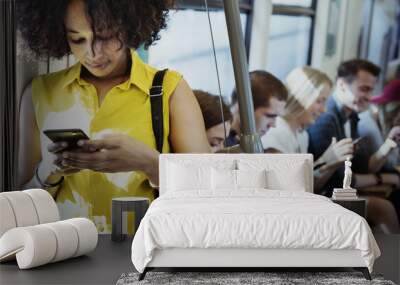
point(380, 124)
point(355, 82)
point(106, 95)
point(308, 89)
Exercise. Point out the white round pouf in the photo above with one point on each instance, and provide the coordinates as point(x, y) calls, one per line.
point(33, 246)
point(45, 205)
point(6, 216)
point(41, 244)
point(67, 240)
point(23, 208)
point(87, 234)
point(30, 230)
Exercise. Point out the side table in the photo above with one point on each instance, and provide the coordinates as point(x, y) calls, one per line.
point(139, 205)
point(357, 205)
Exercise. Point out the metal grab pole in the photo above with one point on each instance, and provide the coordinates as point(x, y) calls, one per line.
point(250, 141)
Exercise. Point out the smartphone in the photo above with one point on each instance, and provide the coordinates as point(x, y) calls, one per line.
point(357, 140)
point(70, 136)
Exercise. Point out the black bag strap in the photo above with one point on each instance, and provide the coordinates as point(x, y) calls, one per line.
point(156, 102)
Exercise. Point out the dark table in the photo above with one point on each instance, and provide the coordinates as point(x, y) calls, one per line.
point(104, 265)
point(357, 205)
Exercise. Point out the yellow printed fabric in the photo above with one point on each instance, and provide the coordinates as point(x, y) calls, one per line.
point(63, 100)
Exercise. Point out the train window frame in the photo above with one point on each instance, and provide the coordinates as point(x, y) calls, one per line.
point(224, 84)
point(245, 7)
point(299, 11)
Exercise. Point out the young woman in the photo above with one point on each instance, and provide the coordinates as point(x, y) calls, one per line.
point(106, 94)
point(211, 109)
point(308, 91)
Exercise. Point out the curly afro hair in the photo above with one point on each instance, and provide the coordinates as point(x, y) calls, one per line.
point(135, 22)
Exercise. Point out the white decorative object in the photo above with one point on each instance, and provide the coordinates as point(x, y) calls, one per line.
point(46, 243)
point(7, 218)
point(347, 174)
point(345, 193)
point(45, 207)
point(23, 209)
point(31, 233)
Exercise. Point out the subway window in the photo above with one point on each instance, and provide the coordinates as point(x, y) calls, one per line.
point(289, 43)
point(290, 36)
point(186, 46)
point(302, 3)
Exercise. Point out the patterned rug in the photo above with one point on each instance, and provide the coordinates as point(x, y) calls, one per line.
point(243, 278)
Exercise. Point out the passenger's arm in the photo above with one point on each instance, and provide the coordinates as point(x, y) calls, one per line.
point(331, 160)
point(322, 175)
point(187, 130)
point(29, 143)
point(321, 134)
point(379, 158)
point(322, 143)
point(122, 153)
point(29, 155)
point(367, 180)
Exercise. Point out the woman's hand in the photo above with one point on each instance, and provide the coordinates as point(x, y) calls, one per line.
point(114, 153)
point(60, 169)
point(50, 169)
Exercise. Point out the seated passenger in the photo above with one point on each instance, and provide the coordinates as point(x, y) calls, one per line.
point(211, 108)
point(381, 121)
point(308, 91)
point(355, 82)
point(269, 96)
point(380, 126)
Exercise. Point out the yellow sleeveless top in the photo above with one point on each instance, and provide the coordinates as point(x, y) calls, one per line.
point(63, 100)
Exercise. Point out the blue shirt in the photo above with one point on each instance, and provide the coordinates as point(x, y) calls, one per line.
point(232, 140)
point(329, 125)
